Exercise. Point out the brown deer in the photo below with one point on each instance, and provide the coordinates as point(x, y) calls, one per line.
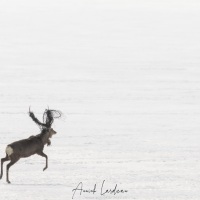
point(32, 145)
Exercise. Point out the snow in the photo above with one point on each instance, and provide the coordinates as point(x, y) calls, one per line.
point(126, 76)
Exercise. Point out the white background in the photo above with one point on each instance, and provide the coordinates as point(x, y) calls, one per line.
point(126, 75)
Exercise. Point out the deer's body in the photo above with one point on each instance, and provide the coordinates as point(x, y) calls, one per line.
point(24, 148)
point(27, 147)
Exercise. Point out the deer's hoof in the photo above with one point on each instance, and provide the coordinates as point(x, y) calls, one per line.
point(45, 168)
point(8, 182)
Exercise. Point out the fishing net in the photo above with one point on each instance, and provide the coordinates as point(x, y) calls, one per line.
point(48, 118)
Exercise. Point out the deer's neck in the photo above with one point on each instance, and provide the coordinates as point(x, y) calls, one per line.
point(45, 137)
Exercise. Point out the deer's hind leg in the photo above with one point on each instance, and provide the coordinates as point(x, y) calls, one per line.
point(14, 159)
point(2, 161)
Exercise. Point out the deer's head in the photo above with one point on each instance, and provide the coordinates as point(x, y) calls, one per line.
point(51, 132)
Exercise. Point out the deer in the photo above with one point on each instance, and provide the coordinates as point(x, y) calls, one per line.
point(32, 145)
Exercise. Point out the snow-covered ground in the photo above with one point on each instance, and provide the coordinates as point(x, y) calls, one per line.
point(126, 75)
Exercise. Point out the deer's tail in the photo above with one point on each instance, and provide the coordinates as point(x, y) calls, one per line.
point(9, 150)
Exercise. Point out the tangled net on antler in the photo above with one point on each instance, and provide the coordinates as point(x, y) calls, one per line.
point(48, 118)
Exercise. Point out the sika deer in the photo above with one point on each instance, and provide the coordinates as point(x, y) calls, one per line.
point(27, 147)
point(34, 144)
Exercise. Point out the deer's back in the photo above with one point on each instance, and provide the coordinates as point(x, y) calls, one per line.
point(27, 147)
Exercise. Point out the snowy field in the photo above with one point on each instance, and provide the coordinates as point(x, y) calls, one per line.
point(126, 75)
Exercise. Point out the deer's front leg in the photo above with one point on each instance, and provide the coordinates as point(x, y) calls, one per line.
point(48, 142)
point(44, 155)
